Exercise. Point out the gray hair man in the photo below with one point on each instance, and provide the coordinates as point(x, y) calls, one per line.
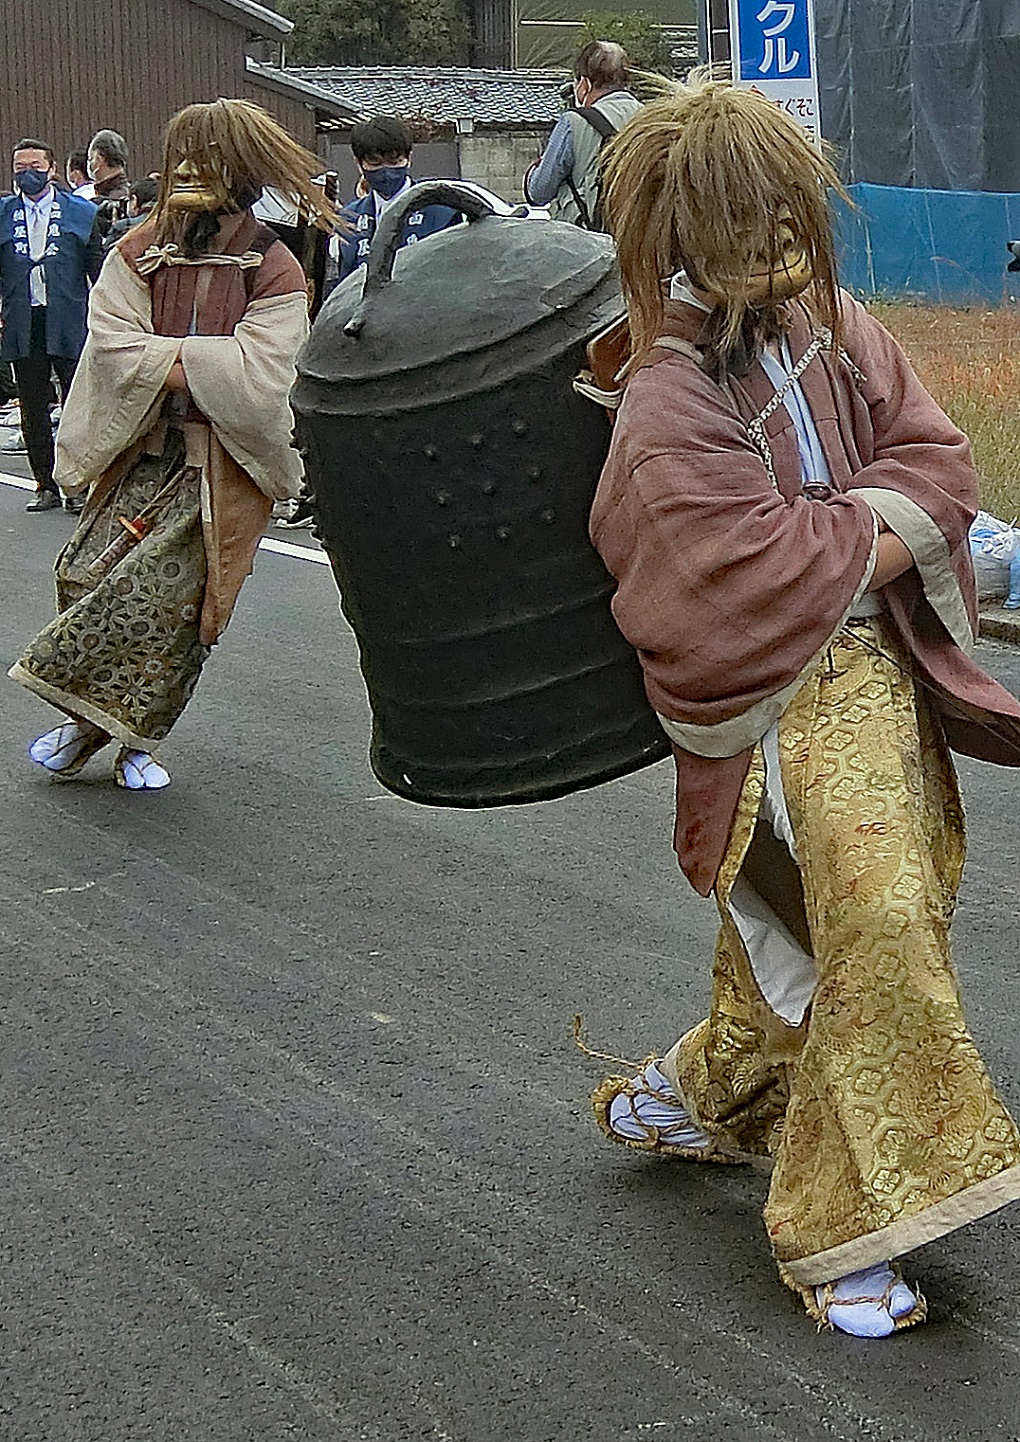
point(108, 158)
point(565, 178)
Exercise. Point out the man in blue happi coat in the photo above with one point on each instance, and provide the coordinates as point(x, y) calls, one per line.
point(382, 148)
point(50, 251)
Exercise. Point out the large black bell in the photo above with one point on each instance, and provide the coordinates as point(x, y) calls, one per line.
point(453, 467)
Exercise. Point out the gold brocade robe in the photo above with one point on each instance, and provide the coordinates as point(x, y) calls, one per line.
point(743, 596)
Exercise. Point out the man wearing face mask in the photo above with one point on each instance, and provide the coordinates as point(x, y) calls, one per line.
point(566, 177)
point(382, 148)
point(50, 251)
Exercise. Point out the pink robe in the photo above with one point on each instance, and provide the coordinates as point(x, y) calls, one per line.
point(729, 587)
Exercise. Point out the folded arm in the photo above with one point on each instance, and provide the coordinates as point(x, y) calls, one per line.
point(727, 590)
point(892, 559)
point(920, 480)
point(241, 383)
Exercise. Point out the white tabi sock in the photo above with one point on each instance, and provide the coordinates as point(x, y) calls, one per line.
point(139, 771)
point(656, 1104)
point(867, 1303)
point(60, 748)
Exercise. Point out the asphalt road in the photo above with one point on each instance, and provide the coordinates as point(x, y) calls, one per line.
point(295, 1143)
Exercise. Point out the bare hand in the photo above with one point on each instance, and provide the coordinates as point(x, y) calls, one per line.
point(892, 559)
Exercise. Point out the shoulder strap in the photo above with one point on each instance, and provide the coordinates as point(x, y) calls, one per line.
point(675, 343)
point(584, 218)
point(601, 123)
point(598, 120)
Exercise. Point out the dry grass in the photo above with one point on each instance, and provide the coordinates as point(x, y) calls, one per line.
point(970, 361)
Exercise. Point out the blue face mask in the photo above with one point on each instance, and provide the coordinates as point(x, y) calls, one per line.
point(32, 182)
point(386, 180)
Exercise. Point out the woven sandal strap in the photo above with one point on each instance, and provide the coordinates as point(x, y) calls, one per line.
point(831, 1300)
point(586, 1050)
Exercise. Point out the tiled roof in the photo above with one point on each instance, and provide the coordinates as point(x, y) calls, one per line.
point(324, 101)
point(442, 95)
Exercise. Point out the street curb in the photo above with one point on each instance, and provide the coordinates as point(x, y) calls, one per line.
point(999, 624)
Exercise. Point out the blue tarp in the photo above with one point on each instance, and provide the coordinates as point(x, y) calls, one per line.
point(947, 247)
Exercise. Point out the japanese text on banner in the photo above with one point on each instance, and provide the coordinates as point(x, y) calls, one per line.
point(774, 53)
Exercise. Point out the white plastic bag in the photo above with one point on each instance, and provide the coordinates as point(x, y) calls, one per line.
point(993, 544)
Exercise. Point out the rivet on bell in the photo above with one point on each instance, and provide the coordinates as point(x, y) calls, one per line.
point(534, 473)
point(520, 428)
point(489, 489)
point(503, 533)
point(443, 498)
point(430, 453)
point(454, 541)
point(477, 441)
point(548, 517)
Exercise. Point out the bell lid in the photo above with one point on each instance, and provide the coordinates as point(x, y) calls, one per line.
point(467, 289)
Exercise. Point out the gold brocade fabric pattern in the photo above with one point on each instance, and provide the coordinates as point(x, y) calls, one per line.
point(878, 1108)
point(124, 652)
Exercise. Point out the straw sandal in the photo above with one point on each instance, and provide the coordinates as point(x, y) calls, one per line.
point(65, 750)
point(644, 1113)
point(139, 771)
point(875, 1302)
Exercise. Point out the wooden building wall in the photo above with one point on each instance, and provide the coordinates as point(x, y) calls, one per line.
point(71, 67)
point(493, 28)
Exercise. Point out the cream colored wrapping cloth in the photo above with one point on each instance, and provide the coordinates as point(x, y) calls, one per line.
point(118, 386)
point(241, 382)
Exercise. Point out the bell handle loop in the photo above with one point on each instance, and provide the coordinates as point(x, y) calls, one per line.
point(390, 230)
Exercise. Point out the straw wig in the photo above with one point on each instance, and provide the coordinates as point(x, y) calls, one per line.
point(236, 148)
point(717, 181)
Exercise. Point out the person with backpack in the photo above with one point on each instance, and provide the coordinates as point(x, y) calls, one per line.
point(566, 177)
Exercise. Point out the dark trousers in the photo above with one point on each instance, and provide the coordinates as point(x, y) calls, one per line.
point(32, 374)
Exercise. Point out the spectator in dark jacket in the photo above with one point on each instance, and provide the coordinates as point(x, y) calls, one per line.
point(108, 158)
point(141, 199)
point(382, 148)
point(50, 249)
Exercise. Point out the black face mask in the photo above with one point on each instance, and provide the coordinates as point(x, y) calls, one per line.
point(386, 180)
point(32, 182)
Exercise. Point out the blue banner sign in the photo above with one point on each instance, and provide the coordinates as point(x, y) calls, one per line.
point(773, 47)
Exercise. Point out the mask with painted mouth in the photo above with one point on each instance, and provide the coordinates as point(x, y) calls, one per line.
point(774, 280)
point(771, 278)
point(198, 190)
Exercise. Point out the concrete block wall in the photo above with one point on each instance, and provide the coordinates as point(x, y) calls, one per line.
point(498, 159)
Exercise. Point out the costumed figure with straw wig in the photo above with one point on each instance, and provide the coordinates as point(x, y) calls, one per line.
point(178, 426)
point(785, 510)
